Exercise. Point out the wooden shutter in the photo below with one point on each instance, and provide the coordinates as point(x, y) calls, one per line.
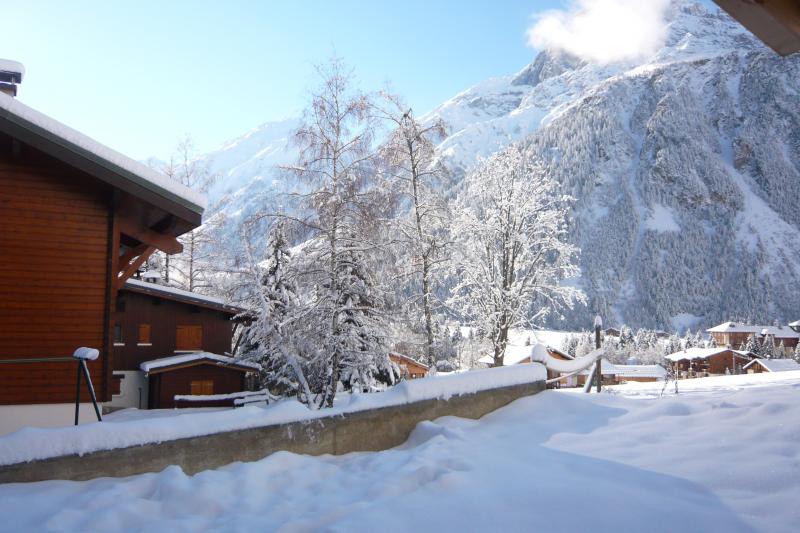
point(202, 387)
point(144, 333)
point(189, 338)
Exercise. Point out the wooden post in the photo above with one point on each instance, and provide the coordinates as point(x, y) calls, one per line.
point(598, 323)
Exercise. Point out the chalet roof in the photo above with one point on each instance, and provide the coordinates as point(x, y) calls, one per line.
point(703, 353)
point(516, 354)
point(775, 365)
point(780, 332)
point(166, 364)
point(408, 359)
point(75, 148)
point(180, 295)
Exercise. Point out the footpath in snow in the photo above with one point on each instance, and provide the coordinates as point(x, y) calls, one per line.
point(724, 457)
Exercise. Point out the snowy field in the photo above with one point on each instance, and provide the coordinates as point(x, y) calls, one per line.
point(721, 456)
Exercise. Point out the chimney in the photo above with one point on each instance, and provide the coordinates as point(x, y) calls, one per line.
point(11, 73)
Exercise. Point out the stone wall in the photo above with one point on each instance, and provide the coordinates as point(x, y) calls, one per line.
point(369, 430)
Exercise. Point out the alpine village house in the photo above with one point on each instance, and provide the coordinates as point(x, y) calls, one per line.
point(78, 221)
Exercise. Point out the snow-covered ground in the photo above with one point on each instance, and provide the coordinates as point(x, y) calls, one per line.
point(723, 457)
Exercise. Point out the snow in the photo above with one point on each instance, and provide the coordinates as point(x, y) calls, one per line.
point(775, 365)
point(29, 444)
point(724, 459)
point(88, 354)
point(630, 371)
point(213, 397)
point(73, 137)
point(700, 353)
point(8, 65)
point(148, 366)
point(662, 218)
point(166, 289)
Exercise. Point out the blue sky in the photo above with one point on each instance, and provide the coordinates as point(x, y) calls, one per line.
point(139, 75)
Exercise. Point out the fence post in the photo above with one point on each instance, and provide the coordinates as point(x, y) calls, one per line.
point(598, 323)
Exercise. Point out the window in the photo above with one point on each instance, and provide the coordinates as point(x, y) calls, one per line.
point(144, 333)
point(118, 334)
point(189, 338)
point(201, 387)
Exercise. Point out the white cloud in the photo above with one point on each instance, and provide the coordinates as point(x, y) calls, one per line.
point(603, 31)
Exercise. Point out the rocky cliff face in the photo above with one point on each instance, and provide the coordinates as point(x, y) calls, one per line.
point(685, 169)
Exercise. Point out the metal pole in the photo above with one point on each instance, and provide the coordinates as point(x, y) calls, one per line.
point(598, 370)
point(78, 394)
point(91, 389)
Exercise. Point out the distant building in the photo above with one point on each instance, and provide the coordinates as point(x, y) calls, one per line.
point(696, 362)
point(757, 366)
point(409, 368)
point(614, 374)
point(734, 335)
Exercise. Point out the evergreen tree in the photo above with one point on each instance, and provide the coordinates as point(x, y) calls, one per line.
point(797, 352)
point(753, 345)
point(780, 352)
point(268, 339)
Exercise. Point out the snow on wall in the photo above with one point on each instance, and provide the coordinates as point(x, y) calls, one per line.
point(29, 444)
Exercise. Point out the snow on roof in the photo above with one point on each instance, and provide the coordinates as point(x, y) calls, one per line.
point(9, 65)
point(640, 371)
point(149, 366)
point(775, 365)
point(513, 356)
point(734, 327)
point(180, 294)
point(701, 353)
point(408, 359)
point(81, 144)
point(780, 332)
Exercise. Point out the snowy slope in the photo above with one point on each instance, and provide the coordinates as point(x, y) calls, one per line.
point(685, 167)
point(556, 461)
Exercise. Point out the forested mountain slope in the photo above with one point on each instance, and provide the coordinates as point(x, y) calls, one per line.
point(685, 169)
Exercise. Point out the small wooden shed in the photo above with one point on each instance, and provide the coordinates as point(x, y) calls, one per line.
point(757, 366)
point(409, 368)
point(195, 374)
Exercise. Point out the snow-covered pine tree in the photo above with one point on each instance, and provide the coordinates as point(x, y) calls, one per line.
point(512, 253)
point(344, 206)
point(768, 348)
point(797, 352)
point(753, 345)
point(780, 352)
point(418, 178)
point(268, 339)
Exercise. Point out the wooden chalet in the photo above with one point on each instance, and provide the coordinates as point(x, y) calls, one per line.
point(615, 374)
point(154, 323)
point(735, 335)
point(520, 355)
point(78, 220)
point(409, 368)
point(700, 362)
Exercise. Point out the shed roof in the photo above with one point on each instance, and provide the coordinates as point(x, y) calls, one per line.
point(165, 364)
point(775, 365)
point(73, 147)
point(180, 295)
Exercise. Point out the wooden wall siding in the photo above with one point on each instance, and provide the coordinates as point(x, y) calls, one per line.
point(164, 317)
point(164, 386)
point(54, 232)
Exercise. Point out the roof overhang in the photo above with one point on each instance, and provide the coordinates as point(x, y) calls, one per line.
point(201, 362)
point(101, 168)
point(775, 22)
point(156, 292)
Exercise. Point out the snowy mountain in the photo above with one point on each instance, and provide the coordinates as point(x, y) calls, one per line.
point(685, 168)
